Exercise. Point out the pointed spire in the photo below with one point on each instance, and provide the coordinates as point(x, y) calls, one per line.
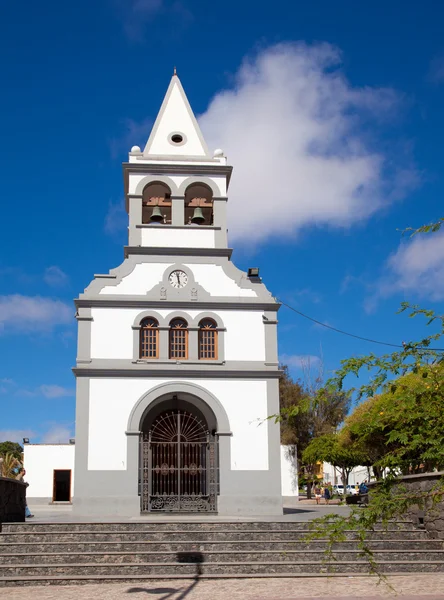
point(176, 131)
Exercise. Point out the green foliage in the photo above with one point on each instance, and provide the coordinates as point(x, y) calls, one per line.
point(430, 228)
point(411, 357)
point(336, 450)
point(403, 428)
point(11, 447)
point(9, 465)
point(399, 427)
point(307, 411)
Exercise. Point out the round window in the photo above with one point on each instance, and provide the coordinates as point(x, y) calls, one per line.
point(177, 138)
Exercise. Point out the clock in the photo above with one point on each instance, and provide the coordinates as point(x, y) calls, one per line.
point(178, 279)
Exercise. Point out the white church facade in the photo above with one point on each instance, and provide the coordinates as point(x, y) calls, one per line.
point(177, 364)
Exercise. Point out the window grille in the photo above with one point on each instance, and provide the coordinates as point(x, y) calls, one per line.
point(207, 340)
point(178, 339)
point(149, 338)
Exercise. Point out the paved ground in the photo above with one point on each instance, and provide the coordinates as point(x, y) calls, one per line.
point(305, 510)
point(431, 587)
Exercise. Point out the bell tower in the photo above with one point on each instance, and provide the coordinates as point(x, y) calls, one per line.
point(177, 358)
point(176, 190)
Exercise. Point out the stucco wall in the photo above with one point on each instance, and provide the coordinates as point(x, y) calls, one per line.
point(210, 276)
point(111, 402)
point(178, 238)
point(112, 333)
point(40, 460)
point(289, 472)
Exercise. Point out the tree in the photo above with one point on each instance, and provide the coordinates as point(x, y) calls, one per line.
point(332, 448)
point(412, 440)
point(307, 411)
point(402, 429)
point(9, 465)
point(11, 447)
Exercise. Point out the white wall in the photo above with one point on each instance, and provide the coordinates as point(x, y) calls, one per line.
point(111, 402)
point(289, 473)
point(141, 280)
point(211, 277)
point(170, 237)
point(358, 475)
point(40, 460)
point(215, 281)
point(112, 333)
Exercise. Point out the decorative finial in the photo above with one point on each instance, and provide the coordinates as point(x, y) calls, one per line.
point(175, 72)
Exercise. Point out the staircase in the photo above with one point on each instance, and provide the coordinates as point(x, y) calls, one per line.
point(69, 553)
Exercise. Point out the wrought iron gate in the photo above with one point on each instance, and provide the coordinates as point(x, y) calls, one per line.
point(179, 465)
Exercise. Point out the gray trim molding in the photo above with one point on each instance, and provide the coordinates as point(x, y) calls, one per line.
point(201, 370)
point(219, 303)
point(157, 251)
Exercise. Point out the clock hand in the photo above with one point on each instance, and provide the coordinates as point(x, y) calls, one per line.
point(178, 278)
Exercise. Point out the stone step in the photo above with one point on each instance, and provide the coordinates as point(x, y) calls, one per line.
point(168, 526)
point(238, 556)
point(24, 581)
point(187, 536)
point(165, 570)
point(219, 546)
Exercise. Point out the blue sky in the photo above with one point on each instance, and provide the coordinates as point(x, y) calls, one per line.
point(331, 114)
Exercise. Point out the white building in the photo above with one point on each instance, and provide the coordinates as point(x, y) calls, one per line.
point(177, 365)
point(50, 472)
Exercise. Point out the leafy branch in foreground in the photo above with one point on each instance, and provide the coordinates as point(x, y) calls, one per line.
point(430, 228)
point(389, 499)
point(409, 358)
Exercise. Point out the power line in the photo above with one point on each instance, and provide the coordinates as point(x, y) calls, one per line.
point(358, 337)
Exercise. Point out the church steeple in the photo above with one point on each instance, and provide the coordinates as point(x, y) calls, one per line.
point(176, 191)
point(176, 132)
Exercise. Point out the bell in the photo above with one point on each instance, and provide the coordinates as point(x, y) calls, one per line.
point(198, 217)
point(156, 215)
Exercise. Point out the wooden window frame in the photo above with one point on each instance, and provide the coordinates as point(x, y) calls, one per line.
point(172, 341)
point(215, 341)
point(155, 330)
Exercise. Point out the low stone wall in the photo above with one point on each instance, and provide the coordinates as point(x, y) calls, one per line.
point(12, 500)
point(431, 516)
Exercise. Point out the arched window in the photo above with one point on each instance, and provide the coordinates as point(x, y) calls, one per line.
point(149, 338)
point(207, 340)
point(178, 338)
point(198, 205)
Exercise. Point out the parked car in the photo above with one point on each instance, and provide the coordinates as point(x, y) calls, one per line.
point(353, 490)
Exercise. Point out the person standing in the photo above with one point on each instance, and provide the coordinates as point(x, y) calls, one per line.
point(20, 477)
point(317, 492)
point(327, 494)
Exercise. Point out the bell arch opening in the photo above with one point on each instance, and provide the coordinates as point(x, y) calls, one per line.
point(179, 457)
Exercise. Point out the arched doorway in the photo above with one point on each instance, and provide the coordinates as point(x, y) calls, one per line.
point(178, 459)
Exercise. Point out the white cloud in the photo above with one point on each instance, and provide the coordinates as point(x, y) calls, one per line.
point(55, 277)
point(55, 391)
point(416, 269)
point(436, 70)
point(33, 313)
point(56, 434)
point(135, 134)
point(116, 219)
point(299, 361)
point(15, 435)
point(46, 390)
point(298, 135)
point(136, 14)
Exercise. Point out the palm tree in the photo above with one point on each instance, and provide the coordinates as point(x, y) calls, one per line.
point(9, 465)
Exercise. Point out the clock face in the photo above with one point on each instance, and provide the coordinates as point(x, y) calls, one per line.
point(178, 279)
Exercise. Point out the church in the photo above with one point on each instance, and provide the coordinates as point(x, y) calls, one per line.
point(177, 364)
